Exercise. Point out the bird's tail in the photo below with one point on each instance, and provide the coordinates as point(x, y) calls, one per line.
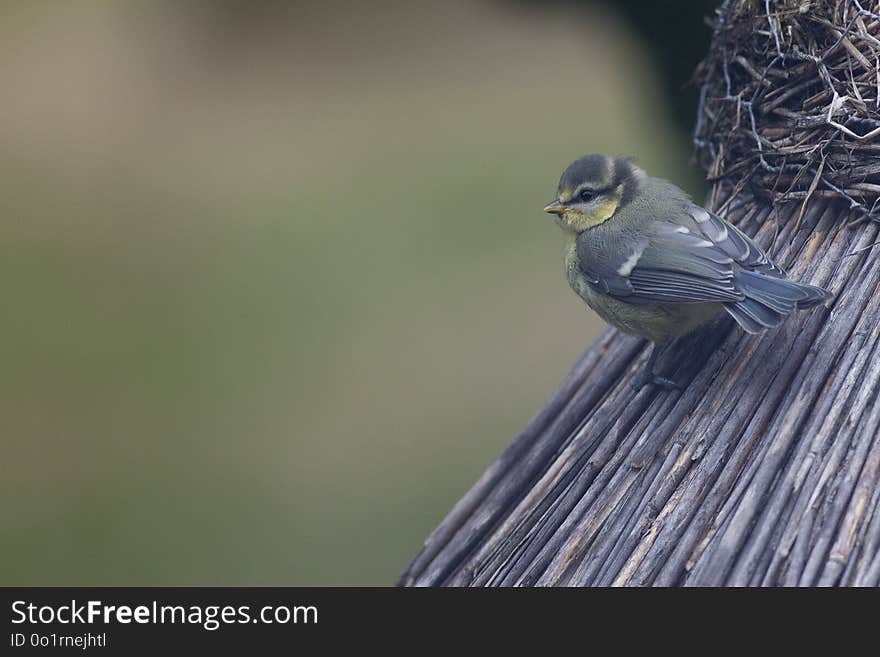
point(768, 301)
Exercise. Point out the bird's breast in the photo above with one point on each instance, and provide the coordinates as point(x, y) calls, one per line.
point(573, 270)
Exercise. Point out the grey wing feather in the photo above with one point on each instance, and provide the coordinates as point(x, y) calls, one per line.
point(733, 242)
point(692, 257)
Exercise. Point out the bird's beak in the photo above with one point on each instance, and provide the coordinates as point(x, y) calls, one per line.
point(555, 207)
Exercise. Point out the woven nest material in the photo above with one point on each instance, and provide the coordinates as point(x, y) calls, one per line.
point(790, 102)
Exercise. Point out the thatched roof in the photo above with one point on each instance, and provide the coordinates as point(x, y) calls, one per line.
point(790, 101)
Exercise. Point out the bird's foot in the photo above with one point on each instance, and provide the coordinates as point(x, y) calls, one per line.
point(644, 378)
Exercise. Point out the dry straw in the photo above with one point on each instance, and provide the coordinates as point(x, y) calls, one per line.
point(790, 102)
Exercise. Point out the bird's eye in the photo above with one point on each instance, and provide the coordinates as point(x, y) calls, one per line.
point(587, 195)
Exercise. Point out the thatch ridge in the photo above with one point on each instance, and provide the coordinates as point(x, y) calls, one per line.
point(790, 102)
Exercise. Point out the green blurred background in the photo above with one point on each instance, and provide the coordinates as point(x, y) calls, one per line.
point(276, 283)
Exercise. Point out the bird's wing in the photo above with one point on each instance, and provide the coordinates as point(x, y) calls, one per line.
point(729, 239)
point(694, 257)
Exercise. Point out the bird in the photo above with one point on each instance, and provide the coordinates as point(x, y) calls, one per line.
point(654, 264)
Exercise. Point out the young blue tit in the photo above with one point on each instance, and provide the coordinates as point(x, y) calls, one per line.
point(654, 264)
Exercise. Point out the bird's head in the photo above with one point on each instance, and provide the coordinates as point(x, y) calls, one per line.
point(592, 189)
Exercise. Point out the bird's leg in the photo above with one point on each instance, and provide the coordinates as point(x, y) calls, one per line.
point(647, 375)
